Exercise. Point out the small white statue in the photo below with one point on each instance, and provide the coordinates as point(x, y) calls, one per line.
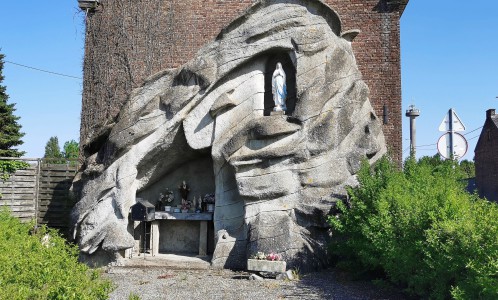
point(279, 88)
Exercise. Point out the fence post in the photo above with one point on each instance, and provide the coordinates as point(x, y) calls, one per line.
point(37, 189)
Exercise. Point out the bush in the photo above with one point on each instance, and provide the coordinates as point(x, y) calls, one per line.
point(41, 265)
point(421, 229)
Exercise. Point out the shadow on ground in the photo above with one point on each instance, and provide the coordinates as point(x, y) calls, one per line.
point(333, 284)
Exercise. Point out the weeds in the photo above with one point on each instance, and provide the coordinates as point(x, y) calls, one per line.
point(133, 296)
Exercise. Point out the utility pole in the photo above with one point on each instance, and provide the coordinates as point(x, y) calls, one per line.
point(451, 113)
point(412, 113)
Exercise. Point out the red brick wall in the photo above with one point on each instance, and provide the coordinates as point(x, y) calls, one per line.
point(377, 51)
point(486, 162)
point(128, 40)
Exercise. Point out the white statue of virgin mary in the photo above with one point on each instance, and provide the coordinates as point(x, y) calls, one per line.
point(279, 88)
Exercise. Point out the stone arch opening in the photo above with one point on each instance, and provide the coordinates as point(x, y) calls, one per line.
point(290, 72)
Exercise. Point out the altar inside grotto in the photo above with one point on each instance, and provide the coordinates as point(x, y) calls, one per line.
point(174, 229)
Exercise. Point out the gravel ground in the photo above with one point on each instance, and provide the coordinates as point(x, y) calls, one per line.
point(165, 283)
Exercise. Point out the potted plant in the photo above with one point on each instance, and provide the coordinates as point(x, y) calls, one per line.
point(209, 200)
point(185, 206)
point(165, 199)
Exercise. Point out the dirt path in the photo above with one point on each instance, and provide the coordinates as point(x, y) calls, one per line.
point(167, 283)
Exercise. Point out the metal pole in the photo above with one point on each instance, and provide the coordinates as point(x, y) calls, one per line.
point(413, 135)
point(144, 223)
point(450, 127)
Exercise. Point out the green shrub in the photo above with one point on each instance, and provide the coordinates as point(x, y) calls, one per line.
point(39, 264)
point(421, 229)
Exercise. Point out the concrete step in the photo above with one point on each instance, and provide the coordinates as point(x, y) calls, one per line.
point(173, 261)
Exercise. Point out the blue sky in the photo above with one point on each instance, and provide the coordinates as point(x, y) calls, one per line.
point(449, 60)
point(51, 38)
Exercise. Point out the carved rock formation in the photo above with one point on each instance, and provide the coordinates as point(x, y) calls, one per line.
point(276, 177)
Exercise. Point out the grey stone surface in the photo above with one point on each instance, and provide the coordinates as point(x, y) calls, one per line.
point(266, 266)
point(276, 178)
point(285, 276)
point(255, 277)
point(289, 275)
point(179, 237)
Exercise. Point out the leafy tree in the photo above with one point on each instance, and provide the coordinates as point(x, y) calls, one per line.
point(71, 150)
point(55, 156)
point(433, 161)
point(10, 134)
point(468, 168)
point(53, 151)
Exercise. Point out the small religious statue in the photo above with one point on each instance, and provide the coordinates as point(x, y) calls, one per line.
point(279, 88)
point(198, 205)
point(184, 190)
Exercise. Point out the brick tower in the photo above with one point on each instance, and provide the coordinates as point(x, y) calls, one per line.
point(127, 41)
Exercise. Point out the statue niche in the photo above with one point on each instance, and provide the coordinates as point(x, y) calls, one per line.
point(290, 72)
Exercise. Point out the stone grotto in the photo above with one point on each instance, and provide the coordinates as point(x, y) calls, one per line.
point(275, 176)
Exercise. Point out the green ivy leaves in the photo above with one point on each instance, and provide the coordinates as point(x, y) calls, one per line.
point(8, 167)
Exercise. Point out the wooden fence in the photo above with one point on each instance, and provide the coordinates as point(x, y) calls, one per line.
point(41, 192)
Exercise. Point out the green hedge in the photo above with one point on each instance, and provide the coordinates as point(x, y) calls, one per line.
point(41, 265)
point(421, 229)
